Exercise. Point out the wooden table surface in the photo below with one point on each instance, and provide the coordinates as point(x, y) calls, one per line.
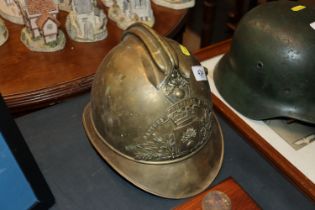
point(31, 79)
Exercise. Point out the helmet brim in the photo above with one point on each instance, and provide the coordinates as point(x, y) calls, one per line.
point(249, 102)
point(175, 180)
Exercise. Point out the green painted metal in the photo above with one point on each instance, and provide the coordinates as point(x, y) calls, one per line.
point(270, 69)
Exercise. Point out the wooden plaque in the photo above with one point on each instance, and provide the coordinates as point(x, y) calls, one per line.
point(240, 200)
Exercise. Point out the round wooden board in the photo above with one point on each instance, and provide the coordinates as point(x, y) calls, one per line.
point(31, 79)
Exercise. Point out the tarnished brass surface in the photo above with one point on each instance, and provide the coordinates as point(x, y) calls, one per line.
point(174, 180)
point(150, 118)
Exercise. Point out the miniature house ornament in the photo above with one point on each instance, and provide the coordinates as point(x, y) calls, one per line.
point(41, 33)
point(10, 10)
point(127, 12)
point(64, 5)
point(3, 33)
point(86, 22)
point(175, 4)
point(108, 3)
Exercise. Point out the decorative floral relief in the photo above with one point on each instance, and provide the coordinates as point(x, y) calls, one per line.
point(188, 135)
point(172, 137)
point(156, 148)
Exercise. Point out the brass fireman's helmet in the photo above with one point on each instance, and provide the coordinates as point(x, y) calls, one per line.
point(151, 120)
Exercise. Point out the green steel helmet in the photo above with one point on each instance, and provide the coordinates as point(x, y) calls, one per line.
point(150, 117)
point(269, 71)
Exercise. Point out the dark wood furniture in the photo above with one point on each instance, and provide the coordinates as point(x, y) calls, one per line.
point(30, 79)
point(234, 16)
point(240, 8)
point(209, 13)
point(208, 18)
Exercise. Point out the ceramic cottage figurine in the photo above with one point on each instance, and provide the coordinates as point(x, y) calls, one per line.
point(64, 5)
point(41, 33)
point(108, 3)
point(175, 4)
point(10, 11)
point(3, 33)
point(127, 12)
point(86, 22)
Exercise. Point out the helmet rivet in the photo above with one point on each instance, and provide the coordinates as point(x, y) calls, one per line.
point(179, 93)
point(259, 65)
point(287, 91)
